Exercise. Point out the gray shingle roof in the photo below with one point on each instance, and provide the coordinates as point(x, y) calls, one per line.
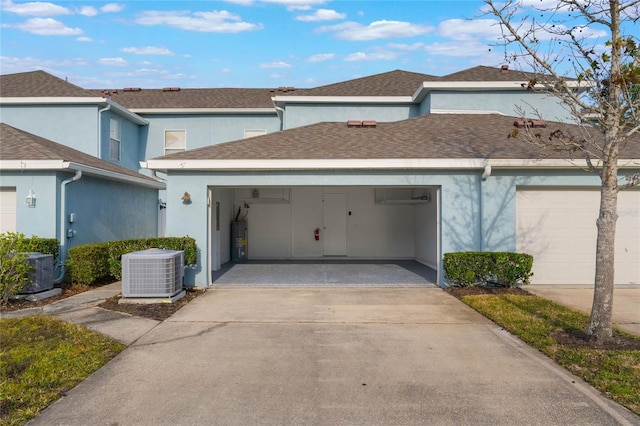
point(483, 73)
point(432, 136)
point(16, 144)
point(39, 84)
point(393, 83)
point(192, 98)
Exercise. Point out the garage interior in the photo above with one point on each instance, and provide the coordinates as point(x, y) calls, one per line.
point(363, 232)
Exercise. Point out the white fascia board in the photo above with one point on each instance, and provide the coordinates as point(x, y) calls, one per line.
point(151, 111)
point(31, 164)
point(320, 164)
point(107, 174)
point(98, 101)
point(53, 100)
point(343, 99)
point(554, 164)
point(464, 111)
point(429, 86)
point(130, 115)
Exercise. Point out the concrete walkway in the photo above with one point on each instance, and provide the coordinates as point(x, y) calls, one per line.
point(402, 356)
point(626, 303)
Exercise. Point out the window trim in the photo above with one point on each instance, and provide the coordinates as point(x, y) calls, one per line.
point(114, 123)
point(174, 150)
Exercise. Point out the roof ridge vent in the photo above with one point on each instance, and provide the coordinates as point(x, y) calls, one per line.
point(132, 89)
point(369, 123)
point(170, 89)
point(354, 123)
point(504, 69)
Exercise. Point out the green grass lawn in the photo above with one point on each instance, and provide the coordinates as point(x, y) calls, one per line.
point(539, 322)
point(41, 358)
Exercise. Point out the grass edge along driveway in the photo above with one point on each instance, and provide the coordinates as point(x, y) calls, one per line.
point(544, 325)
point(41, 358)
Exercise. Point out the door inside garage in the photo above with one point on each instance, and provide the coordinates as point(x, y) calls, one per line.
point(558, 227)
point(320, 223)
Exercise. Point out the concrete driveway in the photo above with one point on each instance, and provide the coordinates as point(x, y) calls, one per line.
point(326, 356)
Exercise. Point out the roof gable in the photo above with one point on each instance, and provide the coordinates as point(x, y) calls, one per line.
point(18, 145)
point(37, 84)
point(483, 73)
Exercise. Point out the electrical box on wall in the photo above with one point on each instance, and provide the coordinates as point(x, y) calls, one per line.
point(72, 217)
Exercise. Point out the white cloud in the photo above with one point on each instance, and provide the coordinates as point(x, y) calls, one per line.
point(112, 7)
point(148, 50)
point(275, 64)
point(319, 57)
point(241, 2)
point(460, 29)
point(113, 62)
point(375, 56)
point(406, 47)
point(88, 11)
point(10, 64)
point(279, 76)
point(457, 49)
point(321, 15)
point(296, 4)
point(84, 39)
point(34, 8)
point(354, 31)
point(209, 22)
point(45, 26)
point(225, 70)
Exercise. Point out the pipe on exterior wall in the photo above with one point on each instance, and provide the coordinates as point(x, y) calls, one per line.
point(485, 175)
point(107, 108)
point(487, 171)
point(63, 216)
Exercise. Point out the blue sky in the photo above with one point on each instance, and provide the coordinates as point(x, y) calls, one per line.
point(242, 43)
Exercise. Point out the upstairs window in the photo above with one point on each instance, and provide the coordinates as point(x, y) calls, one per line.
point(175, 141)
point(114, 140)
point(251, 133)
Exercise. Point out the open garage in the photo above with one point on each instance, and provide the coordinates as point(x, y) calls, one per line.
point(320, 223)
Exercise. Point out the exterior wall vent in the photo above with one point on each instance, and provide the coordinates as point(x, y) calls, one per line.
point(152, 273)
point(41, 274)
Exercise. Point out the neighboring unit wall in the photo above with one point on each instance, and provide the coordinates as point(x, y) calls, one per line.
point(41, 220)
point(107, 210)
point(204, 130)
point(73, 126)
point(298, 115)
point(504, 102)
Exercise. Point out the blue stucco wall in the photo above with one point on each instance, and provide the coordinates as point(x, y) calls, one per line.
point(303, 114)
point(204, 130)
point(108, 210)
point(73, 126)
point(40, 221)
point(504, 102)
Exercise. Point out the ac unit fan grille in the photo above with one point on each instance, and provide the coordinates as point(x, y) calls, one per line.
point(152, 273)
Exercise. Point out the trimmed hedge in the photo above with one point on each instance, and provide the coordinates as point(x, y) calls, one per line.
point(39, 245)
point(91, 263)
point(466, 269)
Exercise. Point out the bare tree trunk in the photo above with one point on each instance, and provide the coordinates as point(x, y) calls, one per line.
point(600, 324)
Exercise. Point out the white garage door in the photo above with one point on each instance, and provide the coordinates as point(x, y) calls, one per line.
point(558, 227)
point(7, 210)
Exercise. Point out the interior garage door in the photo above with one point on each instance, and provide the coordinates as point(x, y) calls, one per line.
point(558, 227)
point(7, 210)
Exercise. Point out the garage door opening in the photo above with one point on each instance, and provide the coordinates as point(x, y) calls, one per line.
point(379, 224)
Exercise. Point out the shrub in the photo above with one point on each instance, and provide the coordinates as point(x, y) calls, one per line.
point(43, 245)
point(14, 269)
point(91, 263)
point(465, 269)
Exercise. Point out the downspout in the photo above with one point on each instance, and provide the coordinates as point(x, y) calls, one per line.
point(280, 113)
point(485, 175)
point(107, 108)
point(63, 216)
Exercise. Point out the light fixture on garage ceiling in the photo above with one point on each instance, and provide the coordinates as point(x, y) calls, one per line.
point(31, 199)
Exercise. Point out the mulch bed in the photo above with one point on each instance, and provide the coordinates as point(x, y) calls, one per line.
point(155, 311)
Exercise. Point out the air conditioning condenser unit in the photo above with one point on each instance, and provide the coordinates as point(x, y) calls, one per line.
point(152, 273)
